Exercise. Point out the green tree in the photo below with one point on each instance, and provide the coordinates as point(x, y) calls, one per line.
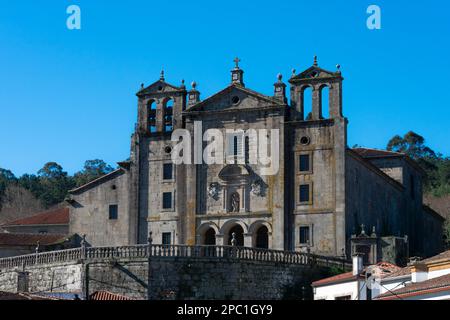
point(93, 169)
point(54, 184)
point(6, 178)
point(436, 167)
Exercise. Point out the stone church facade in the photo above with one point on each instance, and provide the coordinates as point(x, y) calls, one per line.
point(324, 195)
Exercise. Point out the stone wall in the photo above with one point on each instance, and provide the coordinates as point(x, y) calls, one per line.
point(170, 278)
point(200, 279)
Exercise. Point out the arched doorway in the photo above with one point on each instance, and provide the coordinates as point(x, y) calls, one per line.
point(262, 238)
point(239, 235)
point(210, 237)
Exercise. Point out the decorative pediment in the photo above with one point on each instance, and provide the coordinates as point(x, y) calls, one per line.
point(315, 73)
point(236, 98)
point(159, 87)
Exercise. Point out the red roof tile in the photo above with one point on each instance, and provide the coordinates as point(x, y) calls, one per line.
point(384, 269)
point(57, 216)
point(107, 296)
point(419, 288)
point(17, 239)
point(336, 279)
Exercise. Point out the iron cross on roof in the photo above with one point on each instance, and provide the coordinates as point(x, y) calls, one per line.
point(236, 61)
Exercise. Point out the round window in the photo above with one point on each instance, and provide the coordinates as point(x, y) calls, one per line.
point(168, 149)
point(235, 100)
point(305, 140)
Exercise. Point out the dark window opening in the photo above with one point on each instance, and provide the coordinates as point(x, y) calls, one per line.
point(262, 238)
point(304, 163)
point(304, 193)
point(167, 200)
point(113, 212)
point(167, 238)
point(235, 146)
point(304, 236)
point(168, 171)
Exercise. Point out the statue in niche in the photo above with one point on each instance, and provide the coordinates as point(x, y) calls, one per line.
point(235, 202)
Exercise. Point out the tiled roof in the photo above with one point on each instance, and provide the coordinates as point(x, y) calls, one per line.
point(375, 153)
point(52, 217)
point(381, 268)
point(17, 239)
point(399, 273)
point(107, 296)
point(336, 279)
point(419, 288)
point(442, 256)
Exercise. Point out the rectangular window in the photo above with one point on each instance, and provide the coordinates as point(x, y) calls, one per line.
point(235, 145)
point(304, 163)
point(305, 236)
point(168, 171)
point(167, 238)
point(167, 200)
point(113, 212)
point(304, 193)
point(413, 189)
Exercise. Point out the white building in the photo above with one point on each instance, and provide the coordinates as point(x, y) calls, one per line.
point(422, 280)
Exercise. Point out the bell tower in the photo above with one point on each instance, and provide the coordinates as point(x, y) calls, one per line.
point(316, 79)
point(316, 156)
point(160, 107)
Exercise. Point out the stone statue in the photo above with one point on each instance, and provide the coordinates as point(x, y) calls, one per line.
point(235, 202)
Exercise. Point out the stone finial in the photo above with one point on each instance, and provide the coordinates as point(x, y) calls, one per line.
point(162, 78)
point(142, 86)
point(194, 85)
point(233, 239)
point(294, 73)
point(83, 241)
point(38, 246)
point(279, 77)
point(182, 84)
point(338, 67)
point(237, 74)
point(363, 230)
point(374, 232)
point(315, 61)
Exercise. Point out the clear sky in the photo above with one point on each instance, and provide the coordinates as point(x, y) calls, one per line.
point(69, 95)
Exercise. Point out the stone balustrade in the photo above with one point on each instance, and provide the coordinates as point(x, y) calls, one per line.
point(147, 251)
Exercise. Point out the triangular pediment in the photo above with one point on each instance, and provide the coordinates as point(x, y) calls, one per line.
point(235, 98)
point(315, 72)
point(159, 86)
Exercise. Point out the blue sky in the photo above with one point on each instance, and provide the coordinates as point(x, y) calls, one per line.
point(68, 96)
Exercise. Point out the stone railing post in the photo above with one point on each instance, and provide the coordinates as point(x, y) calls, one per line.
point(150, 243)
point(308, 255)
point(38, 245)
point(83, 247)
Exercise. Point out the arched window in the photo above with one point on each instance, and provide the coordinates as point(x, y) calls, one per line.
point(325, 101)
point(307, 103)
point(262, 238)
point(168, 115)
point(210, 237)
point(152, 116)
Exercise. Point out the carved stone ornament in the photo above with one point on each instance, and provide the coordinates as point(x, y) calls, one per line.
point(214, 190)
point(257, 188)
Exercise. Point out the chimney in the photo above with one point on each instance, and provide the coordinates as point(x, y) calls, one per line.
point(357, 264)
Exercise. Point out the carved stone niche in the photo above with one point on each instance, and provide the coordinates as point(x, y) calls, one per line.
point(235, 181)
